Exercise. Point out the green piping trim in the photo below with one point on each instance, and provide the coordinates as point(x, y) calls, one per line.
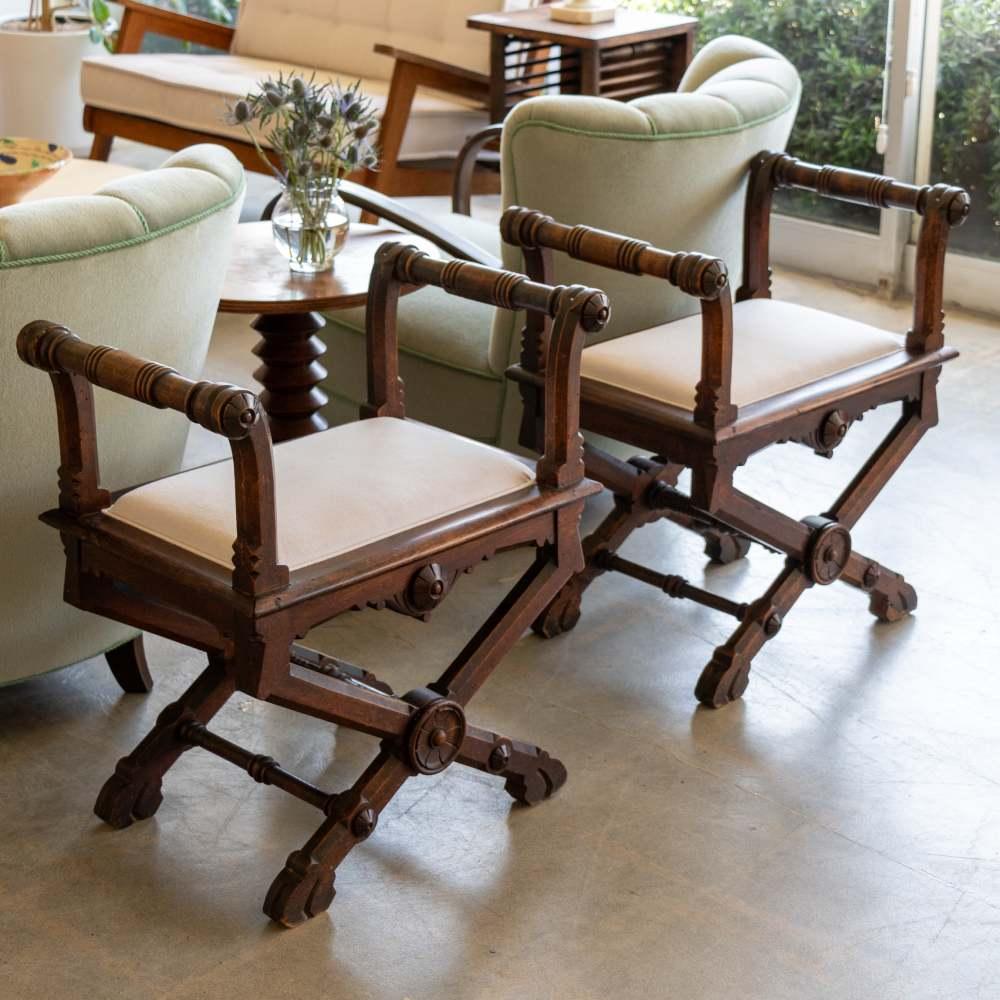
point(3, 252)
point(489, 376)
point(657, 136)
point(142, 218)
point(55, 258)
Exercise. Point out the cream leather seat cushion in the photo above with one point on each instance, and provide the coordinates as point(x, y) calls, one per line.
point(192, 91)
point(777, 346)
point(335, 491)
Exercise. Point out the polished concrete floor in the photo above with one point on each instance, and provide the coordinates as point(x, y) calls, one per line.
point(834, 835)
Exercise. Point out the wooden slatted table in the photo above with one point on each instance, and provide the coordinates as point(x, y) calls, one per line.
point(636, 54)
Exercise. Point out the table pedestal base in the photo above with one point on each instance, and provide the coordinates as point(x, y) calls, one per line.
point(291, 373)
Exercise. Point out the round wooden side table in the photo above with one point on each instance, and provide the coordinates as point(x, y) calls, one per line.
point(259, 281)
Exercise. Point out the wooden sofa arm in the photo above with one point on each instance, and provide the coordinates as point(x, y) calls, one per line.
point(465, 165)
point(574, 311)
point(450, 78)
point(223, 409)
point(141, 17)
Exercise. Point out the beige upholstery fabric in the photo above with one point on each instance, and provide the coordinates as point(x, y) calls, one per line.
point(341, 34)
point(90, 263)
point(192, 91)
point(335, 491)
point(79, 176)
point(777, 346)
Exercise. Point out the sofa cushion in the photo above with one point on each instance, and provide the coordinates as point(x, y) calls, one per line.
point(365, 481)
point(777, 346)
point(193, 91)
point(342, 34)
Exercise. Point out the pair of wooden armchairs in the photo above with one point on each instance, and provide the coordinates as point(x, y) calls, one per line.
point(426, 72)
point(396, 532)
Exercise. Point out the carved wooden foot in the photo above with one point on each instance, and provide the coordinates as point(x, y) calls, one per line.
point(724, 679)
point(126, 797)
point(133, 791)
point(128, 664)
point(724, 547)
point(302, 889)
point(728, 672)
point(892, 599)
point(545, 777)
point(564, 611)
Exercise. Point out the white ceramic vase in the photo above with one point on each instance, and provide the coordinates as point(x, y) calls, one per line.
point(40, 84)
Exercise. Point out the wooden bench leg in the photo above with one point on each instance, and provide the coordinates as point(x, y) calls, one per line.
point(133, 791)
point(100, 148)
point(890, 596)
point(128, 664)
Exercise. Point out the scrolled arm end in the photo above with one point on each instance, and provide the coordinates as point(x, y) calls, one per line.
point(520, 226)
point(38, 343)
point(223, 409)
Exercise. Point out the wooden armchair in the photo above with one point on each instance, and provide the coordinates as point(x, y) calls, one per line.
point(709, 391)
point(162, 557)
point(427, 71)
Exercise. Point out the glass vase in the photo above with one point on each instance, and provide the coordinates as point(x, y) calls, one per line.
point(310, 224)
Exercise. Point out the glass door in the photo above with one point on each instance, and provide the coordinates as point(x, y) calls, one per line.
point(959, 137)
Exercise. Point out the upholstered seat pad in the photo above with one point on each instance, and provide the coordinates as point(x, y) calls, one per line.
point(193, 91)
point(334, 492)
point(777, 346)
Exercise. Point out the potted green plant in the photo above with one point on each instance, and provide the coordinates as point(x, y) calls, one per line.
point(318, 133)
point(41, 53)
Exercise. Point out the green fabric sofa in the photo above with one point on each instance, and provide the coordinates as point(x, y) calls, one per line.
point(670, 169)
point(139, 265)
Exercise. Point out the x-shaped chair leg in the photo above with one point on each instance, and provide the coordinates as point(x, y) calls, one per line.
point(634, 507)
point(819, 551)
point(134, 790)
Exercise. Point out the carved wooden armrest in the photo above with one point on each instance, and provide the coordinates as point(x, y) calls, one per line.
point(940, 205)
point(465, 165)
point(74, 366)
point(695, 274)
point(574, 310)
point(414, 222)
point(140, 18)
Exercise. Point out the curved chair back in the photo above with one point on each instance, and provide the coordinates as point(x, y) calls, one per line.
point(670, 169)
point(138, 265)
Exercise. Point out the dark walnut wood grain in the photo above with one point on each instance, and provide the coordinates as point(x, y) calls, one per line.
point(248, 621)
point(717, 437)
point(259, 280)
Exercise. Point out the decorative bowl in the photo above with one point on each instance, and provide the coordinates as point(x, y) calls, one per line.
point(26, 163)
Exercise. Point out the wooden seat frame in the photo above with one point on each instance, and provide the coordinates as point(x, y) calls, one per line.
point(248, 621)
point(716, 438)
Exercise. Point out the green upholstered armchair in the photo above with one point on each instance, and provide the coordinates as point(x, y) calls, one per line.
point(670, 169)
point(138, 265)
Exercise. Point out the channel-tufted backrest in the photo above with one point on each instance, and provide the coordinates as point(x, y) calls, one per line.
point(670, 169)
point(340, 35)
point(139, 265)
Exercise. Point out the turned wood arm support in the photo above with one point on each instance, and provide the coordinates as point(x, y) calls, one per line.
point(140, 18)
point(940, 205)
point(465, 165)
point(695, 274)
point(573, 310)
point(74, 366)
